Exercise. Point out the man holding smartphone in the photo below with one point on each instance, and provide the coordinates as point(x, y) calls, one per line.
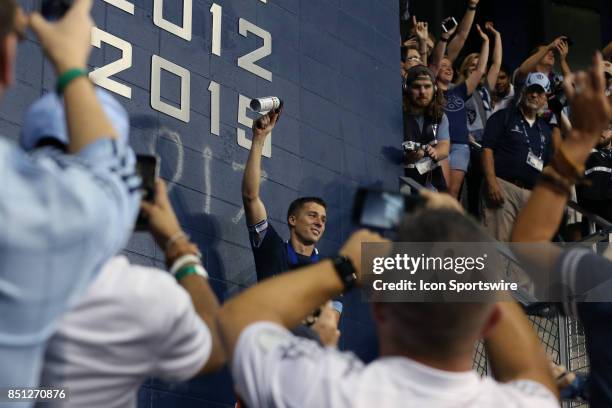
point(62, 215)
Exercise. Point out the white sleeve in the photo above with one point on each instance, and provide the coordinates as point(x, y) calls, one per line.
point(185, 342)
point(528, 393)
point(273, 368)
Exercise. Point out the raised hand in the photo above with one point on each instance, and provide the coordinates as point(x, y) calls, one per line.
point(264, 125)
point(66, 42)
point(491, 28)
point(481, 33)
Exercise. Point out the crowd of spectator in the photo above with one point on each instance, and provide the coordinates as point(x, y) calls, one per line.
point(77, 315)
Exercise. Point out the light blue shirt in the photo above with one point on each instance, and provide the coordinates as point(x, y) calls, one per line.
point(61, 217)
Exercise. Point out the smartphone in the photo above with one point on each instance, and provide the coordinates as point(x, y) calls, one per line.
point(383, 210)
point(147, 167)
point(54, 9)
point(448, 24)
point(568, 41)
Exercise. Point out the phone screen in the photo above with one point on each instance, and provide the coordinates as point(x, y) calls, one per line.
point(147, 167)
point(382, 210)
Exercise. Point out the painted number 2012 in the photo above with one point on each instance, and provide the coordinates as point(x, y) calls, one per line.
point(102, 76)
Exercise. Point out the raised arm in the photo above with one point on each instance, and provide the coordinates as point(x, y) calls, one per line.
point(530, 63)
point(497, 57)
point(440, 50)
point(473, 80)
point(287, 298)
point(591, 111)
point(254, 208)
point(166, 229)
point(563, 49)
point(68, 44)
point(457, 43)
point(515, 351)
point(422, 31)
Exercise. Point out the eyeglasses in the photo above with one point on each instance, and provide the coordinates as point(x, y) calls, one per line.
point(413, 58)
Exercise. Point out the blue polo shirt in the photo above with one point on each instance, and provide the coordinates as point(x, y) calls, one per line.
point(505, 135)
point(456, 113)
point(274, 256)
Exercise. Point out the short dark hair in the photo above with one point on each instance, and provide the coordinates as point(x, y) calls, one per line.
point(297, 204)
point(7, 17)
point(505, 69)
point(438, 329)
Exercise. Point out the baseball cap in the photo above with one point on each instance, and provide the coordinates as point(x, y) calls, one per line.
point(538, 78)
point(419, 71)
point(45, 119)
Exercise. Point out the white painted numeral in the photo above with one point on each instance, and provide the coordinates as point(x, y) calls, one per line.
point(123, 5)
point(182, 112)
point(217, 13)
point(248, 61)
point(101, 76)
point(215, 107)
point(243, 119)
point(183, 31)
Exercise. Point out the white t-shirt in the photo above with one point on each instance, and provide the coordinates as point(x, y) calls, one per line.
point(272, 368)
point(133, 322)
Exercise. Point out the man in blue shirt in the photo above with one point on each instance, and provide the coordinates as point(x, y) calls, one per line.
point(306, 217)
point(517, 144)
point(62, 215)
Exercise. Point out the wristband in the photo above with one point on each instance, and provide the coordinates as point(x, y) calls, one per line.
point(67, 77)
point(552, 179)
point(346, 272)
point(184, 261)
point(194, 269)
point(444, 39)
point(565, 167)
point(472, 8)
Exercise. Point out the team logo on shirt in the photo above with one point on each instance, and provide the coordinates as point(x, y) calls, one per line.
point(454, 103)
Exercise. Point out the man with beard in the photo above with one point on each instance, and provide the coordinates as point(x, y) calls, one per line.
point(517, 144)
point(426, 137)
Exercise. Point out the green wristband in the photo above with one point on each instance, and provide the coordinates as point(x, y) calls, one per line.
point(67, 77)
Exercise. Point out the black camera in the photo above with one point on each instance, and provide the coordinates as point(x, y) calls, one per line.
point(557, 99)
point(383, 210)
point(54, 9)
point(410, 146)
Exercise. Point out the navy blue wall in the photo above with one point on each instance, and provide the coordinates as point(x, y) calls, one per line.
point(334, 62)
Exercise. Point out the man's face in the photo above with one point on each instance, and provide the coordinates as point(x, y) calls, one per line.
point(309, 222)
point(445, 74)
point(606, 137)
point(421, 92)
point(413, 58)
point(549, 58)
point(503, 83)
point(534, 97)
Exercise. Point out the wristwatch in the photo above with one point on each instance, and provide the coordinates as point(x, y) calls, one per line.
point(346, 271)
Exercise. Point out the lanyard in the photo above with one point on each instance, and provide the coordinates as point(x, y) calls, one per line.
point(542, 138)
point(293, 258)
